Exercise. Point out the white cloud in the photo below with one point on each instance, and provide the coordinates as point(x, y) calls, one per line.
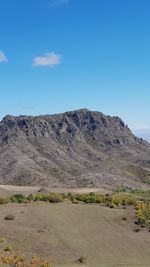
point(54, 3)
point(49, 59)
point(3, 58)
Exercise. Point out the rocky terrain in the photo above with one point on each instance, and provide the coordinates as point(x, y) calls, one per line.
point(75, 149)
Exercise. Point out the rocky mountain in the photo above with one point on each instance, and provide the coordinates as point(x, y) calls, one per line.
point(80, 148)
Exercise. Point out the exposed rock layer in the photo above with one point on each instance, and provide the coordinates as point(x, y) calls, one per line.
point(79, 148)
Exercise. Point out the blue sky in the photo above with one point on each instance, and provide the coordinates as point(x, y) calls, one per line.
point(60, 55)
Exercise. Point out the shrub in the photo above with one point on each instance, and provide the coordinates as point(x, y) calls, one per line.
point(87, 198)
point(18, 261)
point(9, 217)
point(124, 189)
point(52, 197)
point(19, 198)
point(30, 197)
point(82, 260)
point(122, 199)
point(75, 201)
point(55, 198)
point(137, 230)
point(37, 262)
point(2, 240)
point(112, 205)
point(143, 213)
point(7, 249)
point(4, 200)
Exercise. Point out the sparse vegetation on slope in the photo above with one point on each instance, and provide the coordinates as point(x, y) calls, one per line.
point(143, 213)
point(65, 232)
point(81, 148)
point(9, 217)
point(19, 261)
point(121, 197)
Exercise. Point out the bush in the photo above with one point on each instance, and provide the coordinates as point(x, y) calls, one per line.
point(55, 198)
point(75, 201)
point(124, 189)
point(2, 240)
point(7, 249)
point(22, 262)
point(137, 230)
point(30, 197)
point(52, 197)
point(82, 260)
point(19, 198)
point(4, 200)
point(143, 213)
point(9, 217)
point(112, 205)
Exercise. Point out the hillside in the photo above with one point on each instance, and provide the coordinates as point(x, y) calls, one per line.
point(75, 149)
point(65, 232)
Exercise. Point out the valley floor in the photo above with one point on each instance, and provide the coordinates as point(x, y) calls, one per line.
point(11, 189)
point(65, 232)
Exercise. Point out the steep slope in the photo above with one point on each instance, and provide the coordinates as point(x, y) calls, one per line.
point(78, 148)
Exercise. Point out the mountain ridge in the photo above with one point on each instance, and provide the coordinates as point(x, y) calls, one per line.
point(73, 149)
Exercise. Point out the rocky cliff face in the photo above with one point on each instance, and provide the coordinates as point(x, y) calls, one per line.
point(78, 148)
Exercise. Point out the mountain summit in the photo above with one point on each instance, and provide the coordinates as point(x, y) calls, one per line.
point(80, 148)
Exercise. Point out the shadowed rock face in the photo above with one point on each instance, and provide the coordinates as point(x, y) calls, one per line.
point(78, 148)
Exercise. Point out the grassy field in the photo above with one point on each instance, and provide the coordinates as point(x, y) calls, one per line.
point(65, 232)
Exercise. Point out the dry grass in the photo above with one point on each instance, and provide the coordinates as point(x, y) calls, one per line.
point(65, 232)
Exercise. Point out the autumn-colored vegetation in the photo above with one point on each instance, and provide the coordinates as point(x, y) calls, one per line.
point(143, 213)
point(121, 197)
point(18, 261)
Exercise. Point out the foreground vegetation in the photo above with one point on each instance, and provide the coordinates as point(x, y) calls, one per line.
point(73, 235)
point(18, 261)
point(120, 197)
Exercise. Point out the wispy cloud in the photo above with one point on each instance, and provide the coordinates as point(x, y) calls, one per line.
point(49, 59)
point(3, 58)
point(55, 3)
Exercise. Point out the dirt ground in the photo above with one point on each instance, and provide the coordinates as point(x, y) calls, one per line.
point(65, 232)
point(10, 189)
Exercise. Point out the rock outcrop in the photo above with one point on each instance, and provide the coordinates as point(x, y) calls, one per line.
point(74, 149)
